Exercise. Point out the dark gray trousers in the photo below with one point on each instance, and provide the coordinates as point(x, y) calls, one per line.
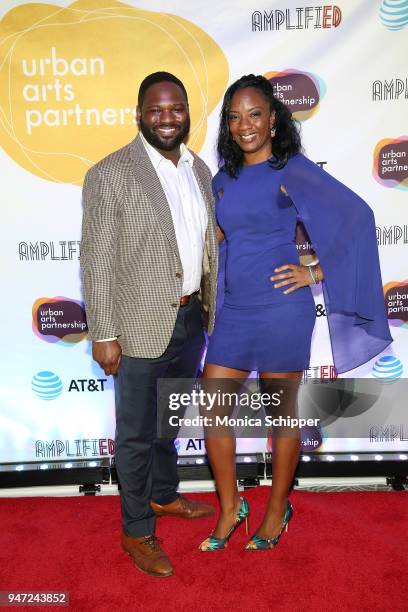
point(146, 465)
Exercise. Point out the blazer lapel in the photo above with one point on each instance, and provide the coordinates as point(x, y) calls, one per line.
point(153, 189)
point(206, 192)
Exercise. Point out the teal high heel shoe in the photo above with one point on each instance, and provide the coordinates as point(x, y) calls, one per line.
point(213, 543)
point(257, 543)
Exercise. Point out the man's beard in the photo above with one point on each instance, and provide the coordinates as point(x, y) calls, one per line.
point(164, 144)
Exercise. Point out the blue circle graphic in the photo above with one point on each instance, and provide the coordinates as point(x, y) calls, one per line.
point(394, 14)
point(46, 385)
point(388, 368)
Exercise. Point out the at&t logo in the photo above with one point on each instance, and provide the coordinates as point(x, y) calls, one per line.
point(394, 14)
point(87, 384)
point(387, 368)
point(46, 385)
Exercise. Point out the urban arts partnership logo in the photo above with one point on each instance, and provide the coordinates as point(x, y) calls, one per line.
point(303, 244)
point(311, 439)
point(60, 320)
point(63, 99)
point(300, 91)
point(390, 167)
point(394, 14)
point(324, 16)
point(387, 368)
point(46, 385)
point(396, 302)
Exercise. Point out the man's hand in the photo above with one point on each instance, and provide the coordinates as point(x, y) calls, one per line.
point(108, 355)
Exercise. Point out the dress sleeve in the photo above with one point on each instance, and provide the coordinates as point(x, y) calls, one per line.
point(341, 227)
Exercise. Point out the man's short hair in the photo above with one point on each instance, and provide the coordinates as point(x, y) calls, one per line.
point(158, 77)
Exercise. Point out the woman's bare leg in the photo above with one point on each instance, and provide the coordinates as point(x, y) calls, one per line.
point(221, 454)
point(285, 457)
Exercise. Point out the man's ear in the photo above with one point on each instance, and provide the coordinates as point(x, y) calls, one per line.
point(138, 115)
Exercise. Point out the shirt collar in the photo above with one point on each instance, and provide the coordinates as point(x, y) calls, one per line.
point(157, 158)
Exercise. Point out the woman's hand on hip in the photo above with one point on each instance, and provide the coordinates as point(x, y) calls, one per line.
point(294, 277)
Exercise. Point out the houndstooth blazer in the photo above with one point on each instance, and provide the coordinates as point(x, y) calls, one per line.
point(131, 267)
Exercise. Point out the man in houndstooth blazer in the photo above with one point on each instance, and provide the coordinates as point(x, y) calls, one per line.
point(145, 237)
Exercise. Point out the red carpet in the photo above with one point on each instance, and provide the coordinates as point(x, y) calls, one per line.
point(343, 551)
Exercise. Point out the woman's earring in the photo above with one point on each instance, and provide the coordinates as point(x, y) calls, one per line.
point(273, 132)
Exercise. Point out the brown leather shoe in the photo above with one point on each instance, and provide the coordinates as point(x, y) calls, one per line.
point(183, 508)
point(147, 555)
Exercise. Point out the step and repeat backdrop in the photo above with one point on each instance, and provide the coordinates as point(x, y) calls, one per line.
point(69, 76)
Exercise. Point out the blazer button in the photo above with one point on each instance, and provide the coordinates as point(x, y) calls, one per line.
point(178, 275)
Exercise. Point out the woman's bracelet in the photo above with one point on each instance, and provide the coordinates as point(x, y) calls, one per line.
point(314, 273)
point(311, 272)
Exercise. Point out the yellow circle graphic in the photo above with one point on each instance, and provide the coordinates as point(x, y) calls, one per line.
point(69, 79)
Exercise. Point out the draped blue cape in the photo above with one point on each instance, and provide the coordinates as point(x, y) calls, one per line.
point(341, 228)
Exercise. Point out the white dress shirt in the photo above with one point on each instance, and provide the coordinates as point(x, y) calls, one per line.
point(187, 209)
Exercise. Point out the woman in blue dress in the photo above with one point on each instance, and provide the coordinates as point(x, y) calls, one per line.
point(267, 316)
